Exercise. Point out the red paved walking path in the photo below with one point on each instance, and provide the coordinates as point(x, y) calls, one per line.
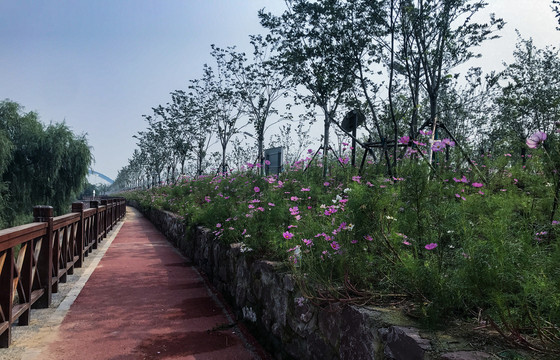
point(143, 301)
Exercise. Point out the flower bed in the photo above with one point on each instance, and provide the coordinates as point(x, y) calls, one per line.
point(477, 242)
point(264, 295)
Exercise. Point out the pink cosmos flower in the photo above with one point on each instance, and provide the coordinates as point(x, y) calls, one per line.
point(448, 142)
point(267, 162)
point(256, 189)
point(431, 246)
point(477, 185)
point(305, 189)
point(536, 139)
point(287, 235)
point(404, 140)
point(438, 146)
point(335, 245)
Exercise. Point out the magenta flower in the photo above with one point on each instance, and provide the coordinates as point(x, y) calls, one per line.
point(431, 246)
point(335, 245)
point(448, 142)
point(404, 140)
point(287, 235)
point(267, 162)
point(477, 185)
point(536, 139)
point(438, 146)
point(257, 189)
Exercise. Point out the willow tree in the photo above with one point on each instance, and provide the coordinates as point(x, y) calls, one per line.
point(44, 165)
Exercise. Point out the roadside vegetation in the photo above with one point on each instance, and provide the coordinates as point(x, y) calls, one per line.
point(39, 164)
point(476, 242)
point(455, 207)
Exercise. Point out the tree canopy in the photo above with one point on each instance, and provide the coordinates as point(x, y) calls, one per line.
point(38, 164)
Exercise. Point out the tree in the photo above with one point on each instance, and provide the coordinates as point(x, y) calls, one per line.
point(188, 111)
point(218, 103)
point(530, 99)
point(444, 34)
point(258, 84)
point(311, 53)
point(45, 165)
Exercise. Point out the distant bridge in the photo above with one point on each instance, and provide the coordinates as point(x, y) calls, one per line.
point(104, 177)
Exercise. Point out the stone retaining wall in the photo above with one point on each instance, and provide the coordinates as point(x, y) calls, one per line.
point(264, 295)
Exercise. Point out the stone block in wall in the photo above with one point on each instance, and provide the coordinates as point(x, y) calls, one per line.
point(302, 319)
point(403, 343)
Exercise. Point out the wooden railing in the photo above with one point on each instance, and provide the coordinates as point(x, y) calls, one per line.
point(36, 257)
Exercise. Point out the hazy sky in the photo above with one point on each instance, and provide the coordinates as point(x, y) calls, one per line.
point(99, 65)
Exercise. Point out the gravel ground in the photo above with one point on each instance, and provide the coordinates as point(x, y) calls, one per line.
point(28, 341)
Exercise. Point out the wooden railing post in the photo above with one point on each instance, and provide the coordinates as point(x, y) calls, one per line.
point(45, 262)
point(78, 207)
point(6, 296)
point(110, 208)
point(95, 204)
point(105, 218)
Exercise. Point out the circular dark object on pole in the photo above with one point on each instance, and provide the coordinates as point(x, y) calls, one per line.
point(352, 120)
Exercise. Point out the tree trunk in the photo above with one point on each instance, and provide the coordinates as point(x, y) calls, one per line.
point(326, 142)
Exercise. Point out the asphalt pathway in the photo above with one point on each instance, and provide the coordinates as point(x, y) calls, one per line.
point(145, 301)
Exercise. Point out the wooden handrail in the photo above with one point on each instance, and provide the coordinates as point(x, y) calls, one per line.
point(36, 257)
